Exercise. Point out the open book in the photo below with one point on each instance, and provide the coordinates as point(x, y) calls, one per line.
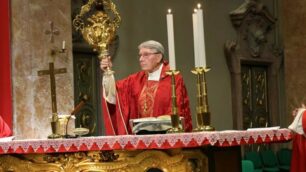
point(152, 125)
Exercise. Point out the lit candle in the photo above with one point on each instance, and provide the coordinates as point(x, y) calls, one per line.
point(64, 45)
point(202, 53)
point(170, 32)
point(195, 38)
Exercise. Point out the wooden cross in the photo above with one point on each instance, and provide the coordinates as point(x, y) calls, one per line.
point(53, 31)
point(52, 72)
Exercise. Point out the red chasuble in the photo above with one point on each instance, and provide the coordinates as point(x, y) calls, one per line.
point(5, 64)
point(137, 97)
point(298, 160)
point(5, 130)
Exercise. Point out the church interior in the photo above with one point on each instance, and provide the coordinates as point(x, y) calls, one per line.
point(254, 48)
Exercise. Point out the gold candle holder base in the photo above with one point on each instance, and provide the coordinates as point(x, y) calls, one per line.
point(54, 134)
point(200, 126)
point(203, 122)
point(175, 122)
point(208, 128)
point(206, 122)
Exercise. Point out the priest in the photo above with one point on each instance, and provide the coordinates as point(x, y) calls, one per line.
point(146, 93)
point(298, 161)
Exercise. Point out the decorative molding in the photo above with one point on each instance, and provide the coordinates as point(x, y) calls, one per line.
point(136, 161)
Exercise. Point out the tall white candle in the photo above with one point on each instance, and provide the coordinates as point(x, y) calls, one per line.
point(170, 32)
point(201, 41)
point(195, 38)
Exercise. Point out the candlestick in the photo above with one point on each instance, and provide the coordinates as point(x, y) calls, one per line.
point(201, 42)
point(58, 49)
point(203, 114)
point(199, 109)
point(206, 112)
point(64, 45)
point(195, 38)
point(175, 118)
point(170, 32)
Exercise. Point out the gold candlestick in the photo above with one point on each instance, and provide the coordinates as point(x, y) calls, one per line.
point(199, 109)
point(203, 114)
point(175, 118)
point(206, 113)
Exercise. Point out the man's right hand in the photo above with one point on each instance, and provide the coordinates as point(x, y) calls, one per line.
point(295, 111)
point(106, 63)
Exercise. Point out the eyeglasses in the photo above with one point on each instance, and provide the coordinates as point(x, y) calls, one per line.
point(147, 54)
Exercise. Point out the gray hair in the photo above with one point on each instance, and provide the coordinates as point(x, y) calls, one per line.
point(154, 45)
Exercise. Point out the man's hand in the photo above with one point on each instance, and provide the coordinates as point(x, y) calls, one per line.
point(295, 111)
point(106, 63)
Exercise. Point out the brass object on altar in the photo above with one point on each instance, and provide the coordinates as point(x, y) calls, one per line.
point(80, 131)
point(203, 114)
point(136, 161)
point(54, 119)
point(99, 30)
point(54, 127)
point(59, 125)
point(175, 118)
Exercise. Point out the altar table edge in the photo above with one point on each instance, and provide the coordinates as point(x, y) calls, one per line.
point(133, 142)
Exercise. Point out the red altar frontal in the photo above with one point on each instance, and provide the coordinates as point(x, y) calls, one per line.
point(167, 152)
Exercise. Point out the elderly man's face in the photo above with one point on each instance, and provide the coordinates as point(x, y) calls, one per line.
point(149, 59)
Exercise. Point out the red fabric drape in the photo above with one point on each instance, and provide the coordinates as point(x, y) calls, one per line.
point(298, 160)
point(5, 67)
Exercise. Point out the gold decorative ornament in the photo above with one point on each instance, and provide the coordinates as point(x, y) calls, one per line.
point(172, 160)
point(99, 30)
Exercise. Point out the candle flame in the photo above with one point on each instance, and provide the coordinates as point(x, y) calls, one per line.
point(199, 5)
point(169, 11)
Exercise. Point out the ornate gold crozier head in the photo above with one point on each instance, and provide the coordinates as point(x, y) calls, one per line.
point(99, 30)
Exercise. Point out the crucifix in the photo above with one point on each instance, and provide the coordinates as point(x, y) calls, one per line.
point(52, 72)
point(53, 31)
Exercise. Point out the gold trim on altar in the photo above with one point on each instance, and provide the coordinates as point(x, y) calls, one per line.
point(174, 160)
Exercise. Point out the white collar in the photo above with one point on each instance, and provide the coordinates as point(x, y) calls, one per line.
point(154, 76)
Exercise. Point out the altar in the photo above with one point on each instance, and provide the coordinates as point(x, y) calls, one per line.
point(200, 151)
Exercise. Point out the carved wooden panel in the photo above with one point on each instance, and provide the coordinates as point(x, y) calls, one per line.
point(254, 96)
point(254, 64)
point(87, 82)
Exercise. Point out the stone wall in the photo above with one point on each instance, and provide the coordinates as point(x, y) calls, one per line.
point(294, 24)
point(31, 52)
